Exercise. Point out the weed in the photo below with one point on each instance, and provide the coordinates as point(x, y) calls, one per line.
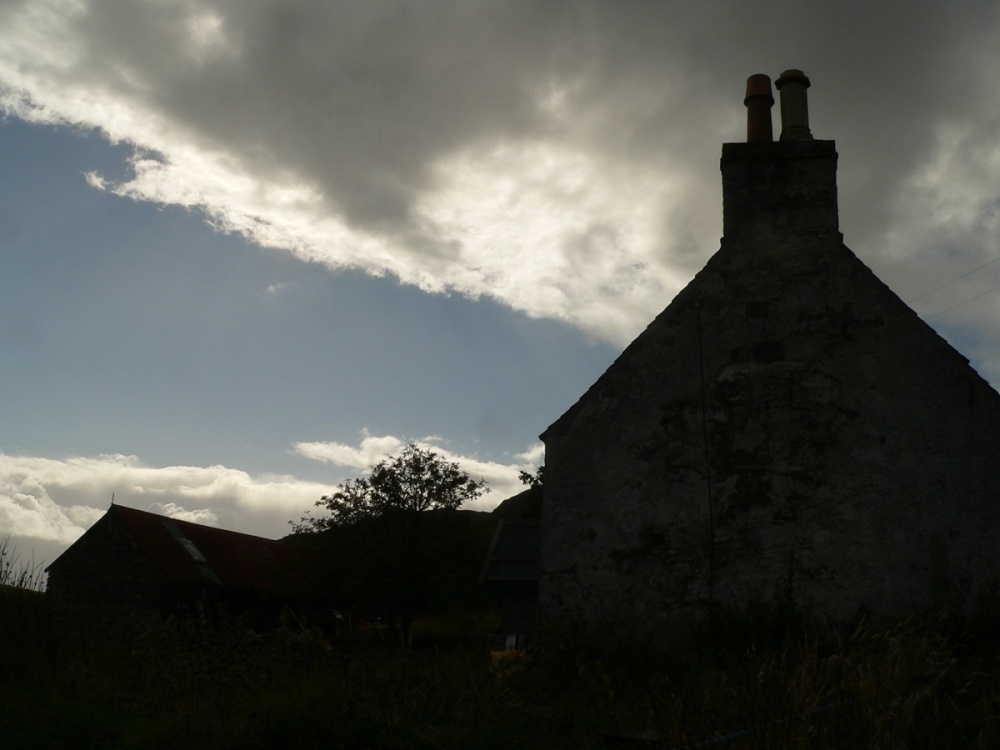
point(25, 576)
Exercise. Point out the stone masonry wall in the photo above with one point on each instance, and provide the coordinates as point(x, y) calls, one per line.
point(787, 430)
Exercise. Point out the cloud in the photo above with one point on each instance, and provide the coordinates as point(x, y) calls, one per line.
point(27, 510)
point(558, 157)
point(203, 516)
point(56, 500)
point(370, 451)
point(501, 478)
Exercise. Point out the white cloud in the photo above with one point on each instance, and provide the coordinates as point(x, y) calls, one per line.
point(556, 231)
point(533, 456)
point(27, 510)
point(370, 451)
point(203, 516)
point(58, 499)
point(502, 478)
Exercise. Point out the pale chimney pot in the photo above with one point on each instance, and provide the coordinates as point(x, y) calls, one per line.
point(794, 106)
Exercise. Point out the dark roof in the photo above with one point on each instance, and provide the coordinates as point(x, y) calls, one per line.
point(515, 554)
point(525, 504)
point(189, 551)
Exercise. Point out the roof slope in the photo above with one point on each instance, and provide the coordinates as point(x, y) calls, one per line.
point(185, 551)
point(515, 553)
point(782, 287)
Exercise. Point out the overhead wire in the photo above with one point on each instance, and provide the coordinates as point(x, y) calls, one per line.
point(949, 309)
point(949, 283)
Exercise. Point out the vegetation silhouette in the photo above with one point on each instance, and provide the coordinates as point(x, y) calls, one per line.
point(915, 684)
point(394, 543)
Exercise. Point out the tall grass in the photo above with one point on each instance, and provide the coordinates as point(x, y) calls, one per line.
point(23, 619)
point(910, 686)
point(18, 574)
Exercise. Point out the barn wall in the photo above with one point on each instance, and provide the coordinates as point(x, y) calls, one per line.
point(104, 583)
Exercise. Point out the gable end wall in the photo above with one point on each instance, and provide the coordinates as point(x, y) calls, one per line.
point(786, 432)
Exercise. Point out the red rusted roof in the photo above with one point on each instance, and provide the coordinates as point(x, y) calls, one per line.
point(190, 551)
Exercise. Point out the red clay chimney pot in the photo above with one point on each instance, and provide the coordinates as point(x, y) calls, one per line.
point(759, 101)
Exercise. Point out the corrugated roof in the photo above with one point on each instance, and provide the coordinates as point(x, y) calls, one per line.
point(189, 551)
point(515, 554)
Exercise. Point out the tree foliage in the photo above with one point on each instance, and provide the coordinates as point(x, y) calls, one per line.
point(416, 480)
point(533, 481)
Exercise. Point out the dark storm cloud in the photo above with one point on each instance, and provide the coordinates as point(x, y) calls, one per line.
point(357, 98)
point(392, 128)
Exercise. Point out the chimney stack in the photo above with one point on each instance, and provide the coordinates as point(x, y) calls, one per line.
point(759, 102)
point(784, 190)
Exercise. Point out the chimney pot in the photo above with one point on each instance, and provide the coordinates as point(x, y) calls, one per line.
point(759, 101)
point(794, 106)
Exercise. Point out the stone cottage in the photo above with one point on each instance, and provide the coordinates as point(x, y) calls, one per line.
point(787, 433)
point(133, 567)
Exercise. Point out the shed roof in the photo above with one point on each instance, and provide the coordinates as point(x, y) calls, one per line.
point(186, 551)
point(515, 554)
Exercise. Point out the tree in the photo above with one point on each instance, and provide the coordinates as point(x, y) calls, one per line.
point(417, 480)
point(387, 546)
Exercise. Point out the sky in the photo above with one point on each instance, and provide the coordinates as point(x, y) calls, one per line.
point(248, 248)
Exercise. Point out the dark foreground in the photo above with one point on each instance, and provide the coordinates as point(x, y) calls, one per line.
point(910, 686)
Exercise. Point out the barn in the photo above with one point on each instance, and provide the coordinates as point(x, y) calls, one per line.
point(132, 568)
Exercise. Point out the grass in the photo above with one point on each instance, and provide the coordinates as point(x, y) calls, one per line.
point(910, 686)
point(15, 573)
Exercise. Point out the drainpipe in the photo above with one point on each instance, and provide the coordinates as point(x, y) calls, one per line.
point(759, 102)
point(794, 107)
